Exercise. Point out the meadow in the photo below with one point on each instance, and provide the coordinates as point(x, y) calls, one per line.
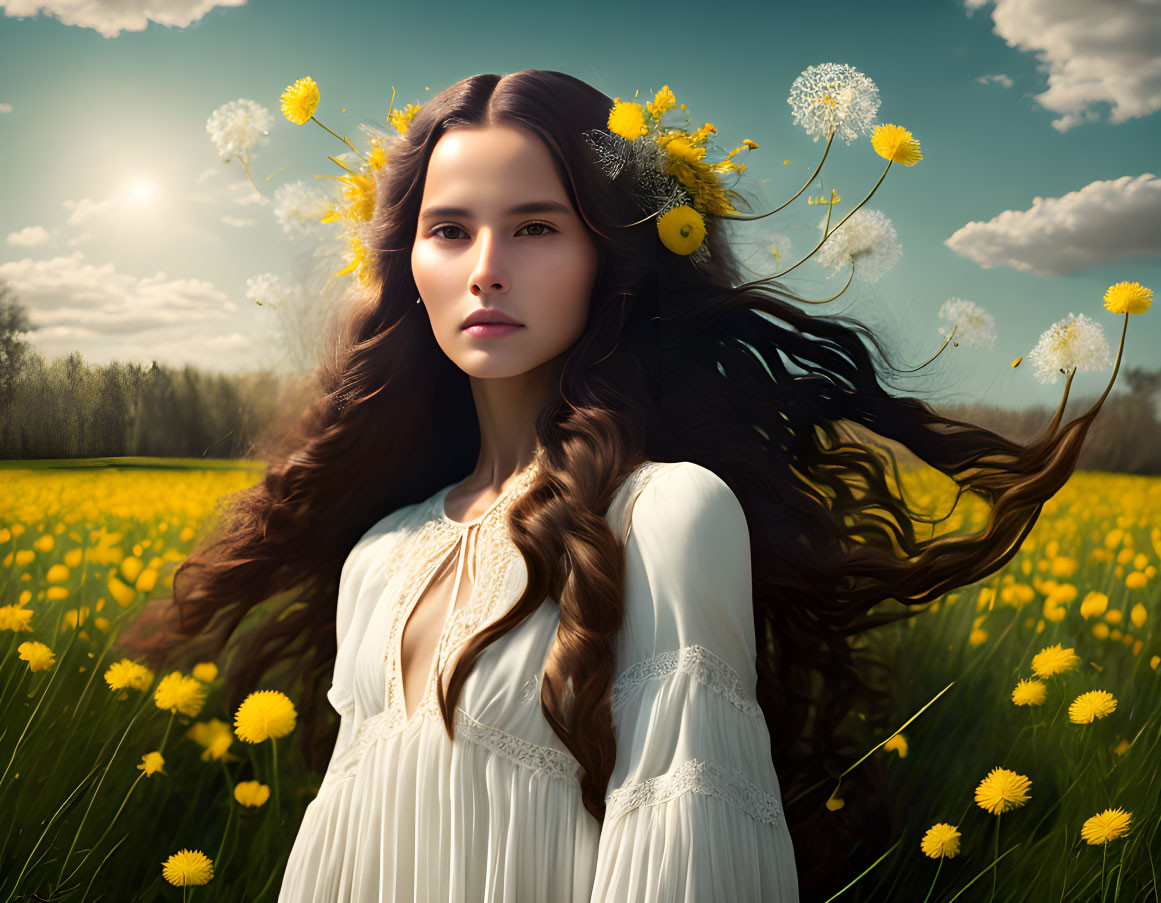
point(1021, 743)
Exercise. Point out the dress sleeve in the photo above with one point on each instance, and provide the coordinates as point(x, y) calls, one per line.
point(350, 623)
point(693, 807)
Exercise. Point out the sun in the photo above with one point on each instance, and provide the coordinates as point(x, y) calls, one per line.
point(140, 191)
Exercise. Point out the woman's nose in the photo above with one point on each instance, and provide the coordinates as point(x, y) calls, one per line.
point(488, 276)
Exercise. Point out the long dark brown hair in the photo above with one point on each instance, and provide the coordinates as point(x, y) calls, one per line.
point(676, 363)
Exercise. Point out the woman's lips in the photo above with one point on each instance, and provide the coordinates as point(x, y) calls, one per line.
point(491, 330)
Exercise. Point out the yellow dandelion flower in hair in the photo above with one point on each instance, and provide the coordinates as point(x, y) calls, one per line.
point(38, 655)
point(15, 617)
point(1128, 298)
point(1088, 707)
point(682, 229)
point(152, 763)
point(264, 714)
point(627, 119)
point(895, 143)
point(178, 693)
point(1106, 826)
point(940, 840)
point(187, 868)
point(662, 103)
point(251, 793)
point(128, 674)
point(300, 100)
point(1002, 790)
point(401, 119)
point(1054, 660)
point(1029, 692)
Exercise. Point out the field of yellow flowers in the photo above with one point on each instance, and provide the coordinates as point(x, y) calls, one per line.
point(1022, 745)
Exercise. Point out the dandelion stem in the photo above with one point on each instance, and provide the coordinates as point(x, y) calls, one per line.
point(1104, 860)
point(832, 297)
point(937, 354)
point(341, 138)
point(242, 160)
point(172, 713)
point(933, 880)
point(805, 185)
point(277, 802)
point(108, 827)
point(995, 870)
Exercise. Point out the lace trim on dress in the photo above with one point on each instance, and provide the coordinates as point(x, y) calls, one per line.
point(697, 776)
point(699, 663)
point(552, 762)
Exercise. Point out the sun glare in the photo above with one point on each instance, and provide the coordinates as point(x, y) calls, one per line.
point(140, 191)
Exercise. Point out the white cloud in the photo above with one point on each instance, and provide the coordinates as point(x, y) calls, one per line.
point(111, 17)
point(5, 108)
point(1093, 53)
point(999, 79)
point(241, 194)
point(237, 222)
point(110, 315)
point(80, 239)
point(86, 208)
point(209, 173)
point(28, 237)
point(1102, 222)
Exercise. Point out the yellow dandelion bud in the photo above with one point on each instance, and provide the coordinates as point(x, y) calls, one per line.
point(940, 840)
point(146, 581)
point(151, 763)
point(15, 617)
point(251, 793)
point(1136, 580)
point(187, 868)
point(300, 100)
point(214, 736)
point(130, 568)
point(1138, 615)
point(897, 743)
point(206, 672)
point(1095, 603)
point(1114, 538)
point(38, 655)
point(1002, 790)
point(128, 674)
point(1106, 826)
point(835, 802)
point(45, 543)
point(1128, 298)
point(58, 573)
point(56, 593)
point(1121, 747)
point(1154, 662)
point(977, 637)
point(1114, 616)
point(178, 693)
point(682, 229)
point(1029, 692)
point(1088, 707)
point(120, 592)
point(627, 119)
point(1054, 660)
point(263, 715)
point(895, 143)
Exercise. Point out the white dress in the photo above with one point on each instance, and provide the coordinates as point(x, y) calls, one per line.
point(694, 809)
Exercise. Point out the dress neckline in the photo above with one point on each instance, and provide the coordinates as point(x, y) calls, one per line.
point(519, 482)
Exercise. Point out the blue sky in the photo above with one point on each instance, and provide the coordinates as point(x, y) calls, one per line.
point(128, 238)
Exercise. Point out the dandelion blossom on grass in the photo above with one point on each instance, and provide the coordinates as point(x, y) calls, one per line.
point(178, 693)
point(263, 715)
point(1088, 707)
point(1106, 826)
point(151, 763)
point(940, 840)
point(1002, 790)
point(187, 868)
point(38, 655)
point(251, 793)
point(15, 617)
point(1054, 660)
point(128, 674)
point(1029, 692)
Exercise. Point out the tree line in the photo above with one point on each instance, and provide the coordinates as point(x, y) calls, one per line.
point(72, 409)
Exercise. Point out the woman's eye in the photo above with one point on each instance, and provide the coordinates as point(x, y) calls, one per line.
point(543, 226)
point(439, 229)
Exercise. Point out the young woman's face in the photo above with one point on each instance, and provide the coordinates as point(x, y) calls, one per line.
point(497, 233)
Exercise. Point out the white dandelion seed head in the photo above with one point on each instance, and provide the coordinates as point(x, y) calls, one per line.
point(834, 97)
point(975, 325)
point(238, 127)
point(868, 238)
point(1077, 341)
point(298, 208)
point(266, 289)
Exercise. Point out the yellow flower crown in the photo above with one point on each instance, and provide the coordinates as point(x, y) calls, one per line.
point(664, 159)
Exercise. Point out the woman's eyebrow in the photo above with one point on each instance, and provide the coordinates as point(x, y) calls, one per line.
point(529, 207)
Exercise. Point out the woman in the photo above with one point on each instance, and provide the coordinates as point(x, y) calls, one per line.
point(578, 672)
